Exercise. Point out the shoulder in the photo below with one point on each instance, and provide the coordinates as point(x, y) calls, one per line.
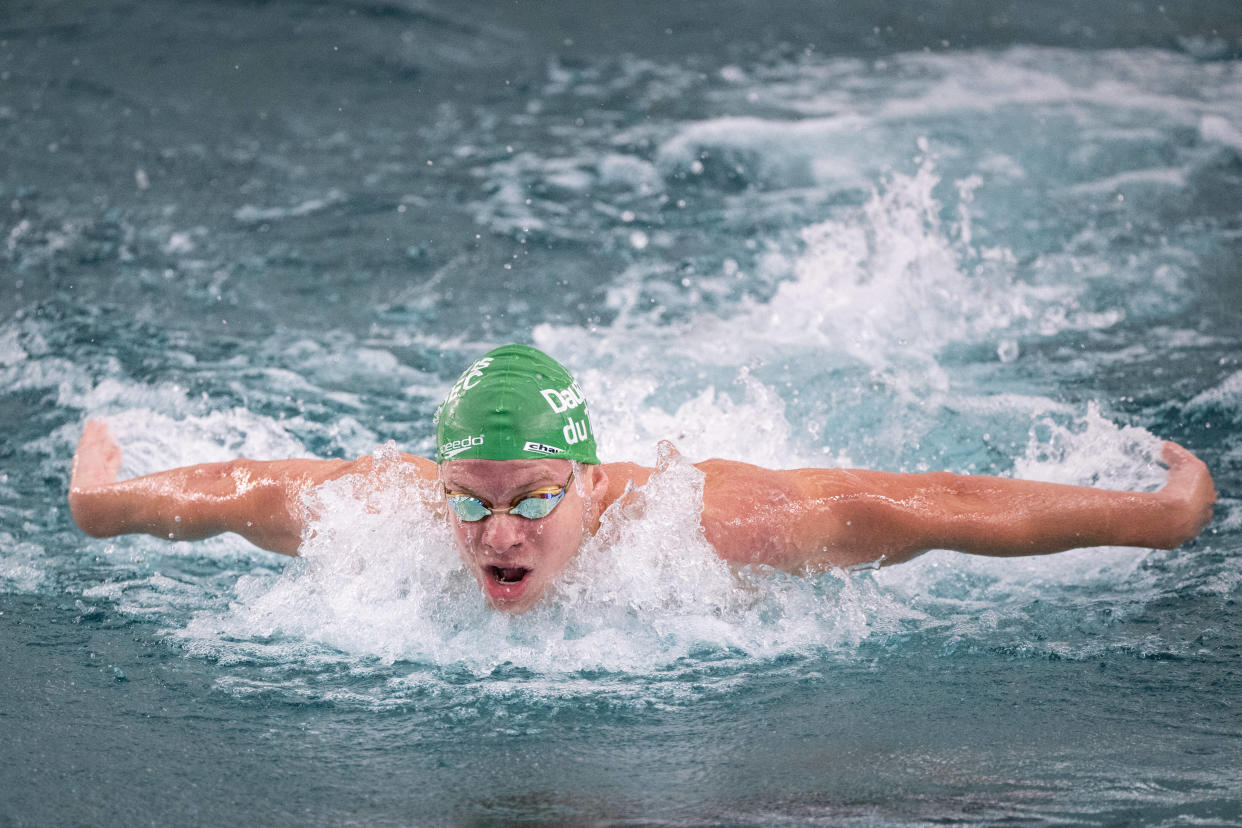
point(424, 468)
point(621, 476)
point(733, 488)
point(779, 517)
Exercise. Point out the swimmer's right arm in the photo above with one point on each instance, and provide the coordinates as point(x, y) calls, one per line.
point(259, 500)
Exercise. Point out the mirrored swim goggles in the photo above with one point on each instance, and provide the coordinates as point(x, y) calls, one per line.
point(532, 506)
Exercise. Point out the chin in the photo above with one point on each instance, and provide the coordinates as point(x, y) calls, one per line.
point(510, 609)
point(513, 607)
point(511, 598)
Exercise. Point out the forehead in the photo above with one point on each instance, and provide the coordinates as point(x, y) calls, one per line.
point(500, 476)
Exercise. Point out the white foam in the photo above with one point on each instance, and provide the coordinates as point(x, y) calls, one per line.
point(1155, 176)
point(1228, 394)
point(887, 285)
point(753, 429)
point(11, 350)
point(1221, 130)
point(152, 441)
point(23, 567)
point(1095, 452)
point(785, 151)
point(250, 214)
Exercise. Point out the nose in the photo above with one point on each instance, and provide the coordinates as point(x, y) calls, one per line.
point(502, 533)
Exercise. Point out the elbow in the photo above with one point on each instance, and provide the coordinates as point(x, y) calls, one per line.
point(94, 530)
point(85, 514)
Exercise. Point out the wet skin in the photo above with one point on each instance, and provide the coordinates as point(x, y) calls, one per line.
point(516, 559)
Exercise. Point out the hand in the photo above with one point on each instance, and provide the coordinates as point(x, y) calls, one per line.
point(1189, 493)
point(97, 460)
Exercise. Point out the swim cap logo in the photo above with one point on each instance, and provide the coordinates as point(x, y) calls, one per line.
point(565, 399)
point(456, 447)
point(576, 431)
point(542, 448)
point(467, 380)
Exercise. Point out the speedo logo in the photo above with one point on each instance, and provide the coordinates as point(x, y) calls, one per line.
point(458, 446)
point(542, 448)
point(565, 399)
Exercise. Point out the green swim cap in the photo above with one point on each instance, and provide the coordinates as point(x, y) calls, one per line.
point(515, 403)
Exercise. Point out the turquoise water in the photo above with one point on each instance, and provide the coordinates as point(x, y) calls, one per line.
point(791, 238)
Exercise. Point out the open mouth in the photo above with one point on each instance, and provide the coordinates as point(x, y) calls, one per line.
point(508, 574)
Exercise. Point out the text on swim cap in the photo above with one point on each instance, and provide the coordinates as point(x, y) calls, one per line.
point(467, 380)
point(542, 448)
point(565, 399)
point(458, 446)
point(576, 431)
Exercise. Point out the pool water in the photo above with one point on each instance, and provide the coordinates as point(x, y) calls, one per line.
point(912, 239)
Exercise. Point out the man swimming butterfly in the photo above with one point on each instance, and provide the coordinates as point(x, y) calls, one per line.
point(518, 480)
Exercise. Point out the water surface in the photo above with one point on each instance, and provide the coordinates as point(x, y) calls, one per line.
point(995, 241)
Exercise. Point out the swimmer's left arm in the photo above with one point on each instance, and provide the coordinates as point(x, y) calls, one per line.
point(820, 518)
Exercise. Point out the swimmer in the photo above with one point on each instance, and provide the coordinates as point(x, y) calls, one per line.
point(517, 477)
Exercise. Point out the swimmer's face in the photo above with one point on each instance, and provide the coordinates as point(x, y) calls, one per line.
point(516, 559)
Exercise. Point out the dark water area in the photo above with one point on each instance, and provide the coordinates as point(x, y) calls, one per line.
point(338, 110)
point(986, 237)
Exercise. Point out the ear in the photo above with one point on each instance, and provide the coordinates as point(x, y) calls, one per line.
point(596, 486)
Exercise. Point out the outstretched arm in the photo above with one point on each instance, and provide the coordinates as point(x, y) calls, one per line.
point(818, 518)
point(259, 500)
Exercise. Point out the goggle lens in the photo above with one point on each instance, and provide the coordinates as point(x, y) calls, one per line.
point(469, 509)
point(538, 506)
point(532, 507)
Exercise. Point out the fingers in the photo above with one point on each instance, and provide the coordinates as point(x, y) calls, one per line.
point(95, 431)
point(97, 460)
point(1175, 455)
point(1190, 488)
point(1185, 466)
